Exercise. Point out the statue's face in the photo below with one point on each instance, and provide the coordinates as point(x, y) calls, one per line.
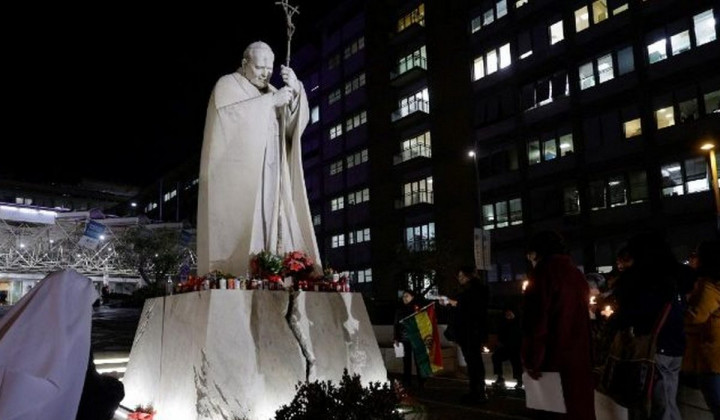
point(259, 67)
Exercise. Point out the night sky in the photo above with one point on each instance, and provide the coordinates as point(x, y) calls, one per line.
point(120, 94)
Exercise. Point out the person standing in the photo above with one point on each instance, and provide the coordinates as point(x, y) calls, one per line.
point(252, 193)
point(470, 330)
point(410, 304)
point(702, 324)
point(509, 344)
point(645, 290)
point(556, 325)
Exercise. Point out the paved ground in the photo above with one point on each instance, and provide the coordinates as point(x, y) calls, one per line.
point(441, 400)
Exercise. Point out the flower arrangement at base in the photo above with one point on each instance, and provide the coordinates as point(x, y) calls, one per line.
point(266, 265)
point(142, 413)
point(297, 264)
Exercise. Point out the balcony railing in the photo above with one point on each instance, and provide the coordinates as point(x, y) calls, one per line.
point(405, 65)
point(421, 245)
point(412, 153)
point(417, 197)
point(412, 107)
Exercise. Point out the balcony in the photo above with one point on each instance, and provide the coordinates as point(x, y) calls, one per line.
point(414, 198)
point(412, 153)
point(408, 70)
point(416, 108)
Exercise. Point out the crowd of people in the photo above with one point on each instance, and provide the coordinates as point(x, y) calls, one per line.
point(580, 325)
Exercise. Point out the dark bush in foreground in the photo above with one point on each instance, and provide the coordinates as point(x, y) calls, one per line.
point(347, 401)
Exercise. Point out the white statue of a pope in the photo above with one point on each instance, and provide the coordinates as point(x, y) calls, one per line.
point(252, 188)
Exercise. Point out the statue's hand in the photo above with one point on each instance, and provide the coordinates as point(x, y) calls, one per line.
point(283, 96)
point(290, 79)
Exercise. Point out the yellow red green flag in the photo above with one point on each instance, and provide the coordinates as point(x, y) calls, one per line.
point(425, 340)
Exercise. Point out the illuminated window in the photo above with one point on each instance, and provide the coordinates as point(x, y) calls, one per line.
point(657, 51)
point(505, 59)
point(314, 114)
point(685, 177)
point(420, 238)
point(712, 102)
point(632, 128)
point(417, 192)
point(355, 121)
point(358, 197)
point(582, 19)
point(334, 96)
point(665, 117)
point(534, 152)
point(605, 68)
point(680, 42)
point(556, 32)
point(600, 11)
point(492, 61)
point(338, 241)
point(357, 158)
point(587, 76)
point(502, 214)
point(336, 131)
point(704, 26)
point(336, 167)
point(337, 204)
point(479, 68)
point(417, 15)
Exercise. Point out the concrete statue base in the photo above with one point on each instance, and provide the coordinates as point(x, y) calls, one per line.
point(229, 354)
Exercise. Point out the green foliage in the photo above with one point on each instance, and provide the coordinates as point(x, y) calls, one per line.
point(269, 263)
point(347, 401)
point(155, 252)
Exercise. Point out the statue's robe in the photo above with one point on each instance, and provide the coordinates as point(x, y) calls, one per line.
point(252, 186)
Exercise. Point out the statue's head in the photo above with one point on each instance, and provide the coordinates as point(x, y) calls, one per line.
point(257, 64)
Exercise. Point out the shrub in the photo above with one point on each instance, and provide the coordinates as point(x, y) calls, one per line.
point(347, 401)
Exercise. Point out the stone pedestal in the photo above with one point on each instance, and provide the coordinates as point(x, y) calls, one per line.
point(232, 353)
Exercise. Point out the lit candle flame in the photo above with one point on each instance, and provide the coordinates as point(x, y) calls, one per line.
point(486, 350)
point(592, 300)
point(607, 311)
point(525, 285)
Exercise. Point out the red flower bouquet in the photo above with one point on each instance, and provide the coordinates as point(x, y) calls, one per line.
point(142, 413)
point(297, 263)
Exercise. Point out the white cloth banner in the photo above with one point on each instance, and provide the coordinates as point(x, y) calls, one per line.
point(44, 349)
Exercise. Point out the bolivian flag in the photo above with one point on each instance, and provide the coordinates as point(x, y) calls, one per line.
point(425, 340)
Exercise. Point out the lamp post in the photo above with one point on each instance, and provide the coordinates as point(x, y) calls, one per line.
point(710, 148)
point(473, 156)
point(480, 234)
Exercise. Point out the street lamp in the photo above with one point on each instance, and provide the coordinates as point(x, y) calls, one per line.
point(482, 238)
point(710, 148)
point(471, 154)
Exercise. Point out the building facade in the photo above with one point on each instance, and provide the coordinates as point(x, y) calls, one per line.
point(431, 119)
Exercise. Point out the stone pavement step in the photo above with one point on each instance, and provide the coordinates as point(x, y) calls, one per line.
point(441, 395)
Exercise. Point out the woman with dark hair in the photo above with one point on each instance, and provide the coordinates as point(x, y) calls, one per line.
point(702, 323)
point(556, 325)
point(644, 291)
point(409, 304)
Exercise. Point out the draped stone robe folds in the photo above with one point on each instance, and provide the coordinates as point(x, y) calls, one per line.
point(252, 186)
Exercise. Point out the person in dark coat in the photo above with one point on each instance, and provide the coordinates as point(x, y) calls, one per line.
point(509, 345)
point(470, 329)
point(101, 395)
point(654, 281)
point(556, 325)
point(409, 304)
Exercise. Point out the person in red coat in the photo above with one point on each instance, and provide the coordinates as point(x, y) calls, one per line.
point(556, 327)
